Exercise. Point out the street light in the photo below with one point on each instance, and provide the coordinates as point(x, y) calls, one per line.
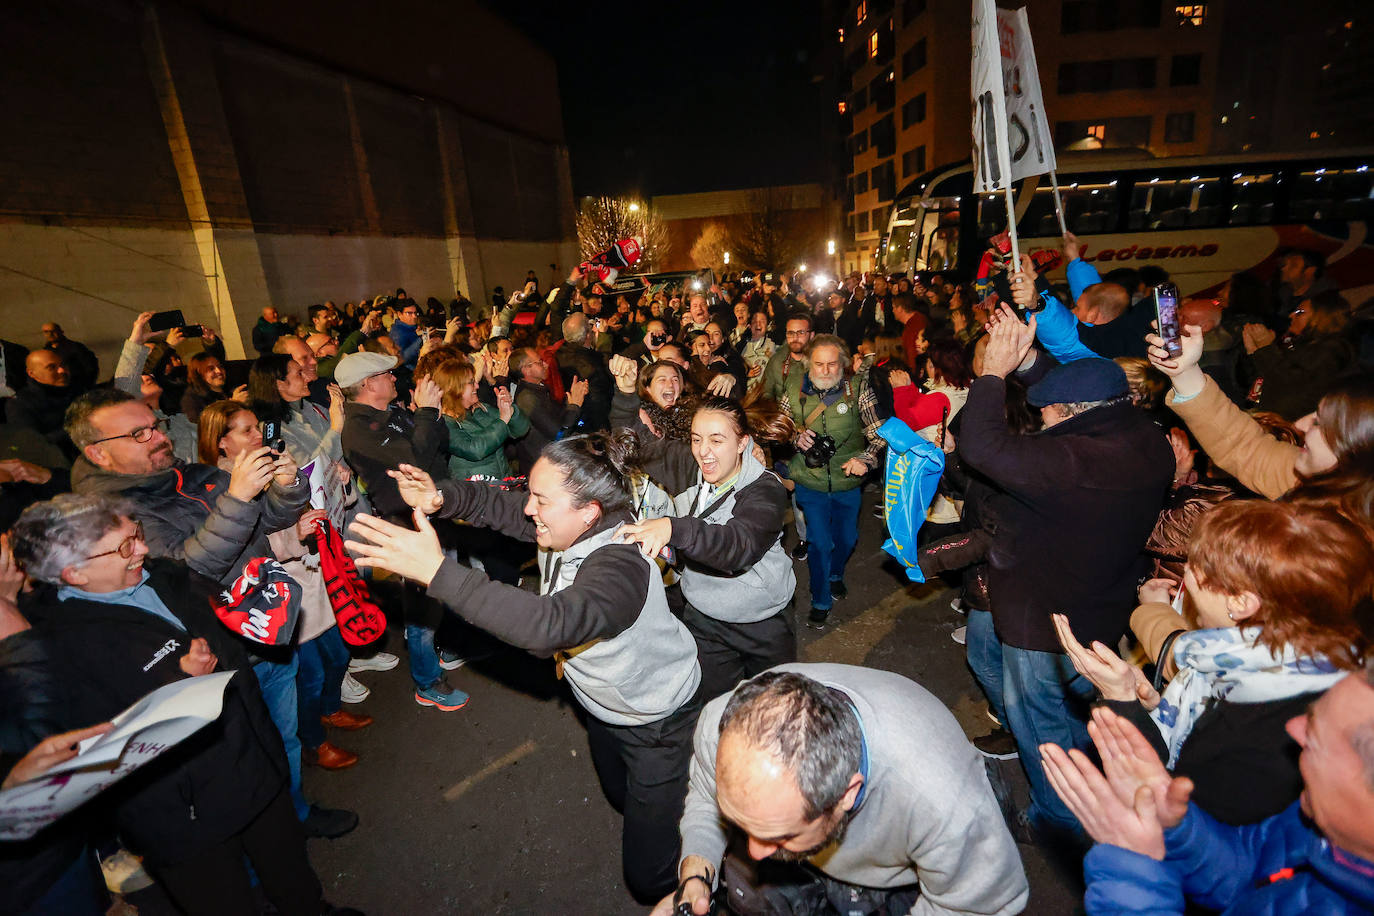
point(727, 258)
point(634, 208)
point(830, 247)
point(801, 267)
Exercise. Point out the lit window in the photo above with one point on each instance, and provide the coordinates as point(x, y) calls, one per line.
point(1191, 14)
point(841, 36)
point(1097, 131)
point(843, 107)
point(873, 45)
point(863, 11)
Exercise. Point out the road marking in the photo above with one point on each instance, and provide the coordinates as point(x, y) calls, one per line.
point(456, 791)
point(850, 643)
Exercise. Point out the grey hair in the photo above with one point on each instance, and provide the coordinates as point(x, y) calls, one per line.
point(77, 420)
point(1074, 408)
point(810, 728)
point(60, 532)
point(575, 328)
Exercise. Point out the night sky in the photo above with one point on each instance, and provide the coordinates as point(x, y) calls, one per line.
point(670, 98)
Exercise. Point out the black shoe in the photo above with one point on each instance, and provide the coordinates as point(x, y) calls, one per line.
point(798, 551)
point(817, 618)
point(328, 823)
point(838, 589)
point(999, 745)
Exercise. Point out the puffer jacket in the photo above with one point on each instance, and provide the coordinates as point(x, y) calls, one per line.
point(1277, 867)
point(188, 514)
point(477, 443)
point(213, 784)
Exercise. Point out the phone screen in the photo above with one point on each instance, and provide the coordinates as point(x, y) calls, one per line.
point(1166, 310)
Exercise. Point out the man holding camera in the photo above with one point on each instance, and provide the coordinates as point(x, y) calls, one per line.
point(837, 444)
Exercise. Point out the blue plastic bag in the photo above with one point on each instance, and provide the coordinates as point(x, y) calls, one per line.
point(914, 467)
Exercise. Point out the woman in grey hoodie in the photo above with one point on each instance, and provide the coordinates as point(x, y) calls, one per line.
point(726, 531)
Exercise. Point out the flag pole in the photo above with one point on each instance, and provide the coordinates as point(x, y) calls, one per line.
point(1058, 204)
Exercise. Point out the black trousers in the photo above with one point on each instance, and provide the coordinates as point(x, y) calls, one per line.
point(643, 771)
point(216, 882)
point(730, 652)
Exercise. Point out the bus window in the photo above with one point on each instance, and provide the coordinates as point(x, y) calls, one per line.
point(1175, 203)
point(1089, 207)
point(1252, 199)
point(939, 235)
point(992, 214)
point(1332, 194)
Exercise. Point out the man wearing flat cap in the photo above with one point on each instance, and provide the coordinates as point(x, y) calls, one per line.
point(1081, 496)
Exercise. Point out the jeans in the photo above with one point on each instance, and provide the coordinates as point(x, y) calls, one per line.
point(278, 683)
point(832, 527)
point(323, 664)
point(1046, 702)
point(985, 660)
point(424, 661)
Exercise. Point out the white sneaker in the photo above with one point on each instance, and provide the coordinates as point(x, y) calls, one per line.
point(452, 661)
point(959, 635)
point(351, 691)
point(382, 661)
point(958, 605)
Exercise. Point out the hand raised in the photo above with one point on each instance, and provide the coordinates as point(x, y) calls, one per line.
point(417, 488)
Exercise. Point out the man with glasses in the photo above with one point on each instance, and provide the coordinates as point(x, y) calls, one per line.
point(405, 332)
point(212, 520)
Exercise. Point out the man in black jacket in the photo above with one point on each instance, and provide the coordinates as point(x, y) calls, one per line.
point(549, 420)
point(1085, 492)
point(41, 403)
point(269, 327)
point(120, 626)
point(378, 437)
point(81, 363)
point(577, 360)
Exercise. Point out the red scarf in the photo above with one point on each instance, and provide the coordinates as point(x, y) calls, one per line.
point(360, 620)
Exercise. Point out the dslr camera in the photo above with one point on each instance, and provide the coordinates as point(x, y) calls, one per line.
point(820, 452)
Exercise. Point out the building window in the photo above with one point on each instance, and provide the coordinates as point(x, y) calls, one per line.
point(1107, 132)
point(861, 222)
point(882, 93)
point(914, 111)
point(841, 36)
point(860, 100)
point(843, 106)
point(880, 219)
point(911, 9)
point(1097, 131)
point(860, 142)
point(1185, 70)
point(873, 45)
point(862, 12)
point(884, 137)
point(1107, 75)
point(861, 183)
point(1178, 127)
point(914, 58)
point(1108, 15)
point(913, 162)
point(1191, 14)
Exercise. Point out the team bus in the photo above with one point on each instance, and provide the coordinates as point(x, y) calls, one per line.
point(1200, 218)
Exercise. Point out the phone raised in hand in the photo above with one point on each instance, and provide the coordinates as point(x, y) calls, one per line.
point(1166, 316)
point(165, 321)
point(272, 438)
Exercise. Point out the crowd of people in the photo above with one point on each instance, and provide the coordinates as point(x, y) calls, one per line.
point(1164, 555)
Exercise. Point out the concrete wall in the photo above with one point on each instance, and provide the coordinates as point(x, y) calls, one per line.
point(157, 156)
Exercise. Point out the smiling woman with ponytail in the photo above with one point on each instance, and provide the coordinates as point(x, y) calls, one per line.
point(600, 613)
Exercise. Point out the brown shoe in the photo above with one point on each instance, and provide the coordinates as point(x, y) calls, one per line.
point(329, 757)
point(348, 721)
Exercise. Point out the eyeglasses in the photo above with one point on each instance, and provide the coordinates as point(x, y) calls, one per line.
point(126, 546)
point(140, 435)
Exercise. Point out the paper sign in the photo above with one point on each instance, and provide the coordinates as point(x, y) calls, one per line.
point(141, 733)
point(1011, 138)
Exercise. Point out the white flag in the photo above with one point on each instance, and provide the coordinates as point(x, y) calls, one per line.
point(1028, 135)
point(991, 156)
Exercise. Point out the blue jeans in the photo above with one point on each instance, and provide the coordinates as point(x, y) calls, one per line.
point(1046, 702)
point(832, 529)
point(985, 660)
point(323, 664)
point(424, 661)
point(278, 683)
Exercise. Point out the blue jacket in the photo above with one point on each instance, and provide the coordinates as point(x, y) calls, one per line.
point(1080, 275)
point(408, 339)
point(1274, 868)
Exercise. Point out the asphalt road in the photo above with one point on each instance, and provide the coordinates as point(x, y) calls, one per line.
point(495, 809)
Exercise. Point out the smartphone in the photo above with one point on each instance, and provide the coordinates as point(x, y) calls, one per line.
point(192, 330)
point(271, 436)
point(944, 424)
point(165, 321)
point(1166, 313)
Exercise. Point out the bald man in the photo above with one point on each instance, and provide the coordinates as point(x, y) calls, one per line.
point(82, 365)
point(43, 401)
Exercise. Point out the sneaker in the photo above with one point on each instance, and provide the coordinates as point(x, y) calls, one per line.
point(817, 618)
point(838, 589)
point(957, 604)
point(999, 745)
point(124, 873)
point(441, 696)
point(350, 691)
point(452, 661)
point(878, 511)
point(328, 823)
point(798, 551)
point(959, 635)
point(382, 661)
